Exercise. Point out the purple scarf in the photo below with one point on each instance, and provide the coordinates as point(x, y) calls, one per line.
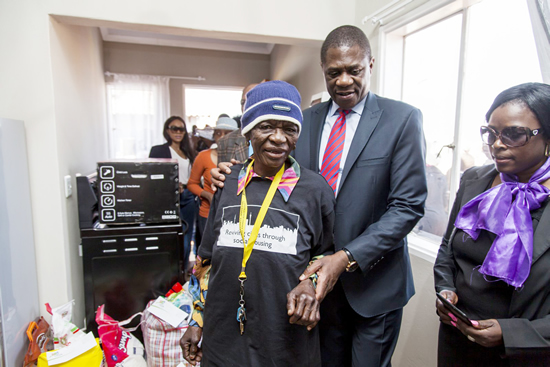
point(505, 211)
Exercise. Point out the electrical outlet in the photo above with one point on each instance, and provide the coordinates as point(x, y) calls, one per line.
point(68, 186)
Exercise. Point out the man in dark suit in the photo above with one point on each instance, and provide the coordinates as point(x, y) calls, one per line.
point(380, 188)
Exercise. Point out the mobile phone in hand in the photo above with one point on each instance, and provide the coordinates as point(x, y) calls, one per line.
point(454, 310)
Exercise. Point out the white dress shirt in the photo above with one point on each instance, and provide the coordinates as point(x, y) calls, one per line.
point(352, 121)
point(184, 166)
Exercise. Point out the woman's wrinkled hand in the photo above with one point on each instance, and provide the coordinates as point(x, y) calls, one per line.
point(189, 343)
point(302, 305)
point(218, 173)
point(443, 311)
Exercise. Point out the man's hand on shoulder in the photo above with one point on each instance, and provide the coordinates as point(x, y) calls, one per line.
point(218, 173)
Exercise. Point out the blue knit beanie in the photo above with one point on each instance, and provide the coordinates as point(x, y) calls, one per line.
point(274, 100)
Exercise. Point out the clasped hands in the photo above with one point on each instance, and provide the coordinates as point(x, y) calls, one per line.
point(303, 301)
point(328, 270)
point(486, 333)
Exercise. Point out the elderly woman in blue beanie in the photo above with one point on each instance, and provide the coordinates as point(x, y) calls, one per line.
point(264, 227)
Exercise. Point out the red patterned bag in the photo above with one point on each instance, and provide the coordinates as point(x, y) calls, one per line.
point(121, 348)
point(162, 341)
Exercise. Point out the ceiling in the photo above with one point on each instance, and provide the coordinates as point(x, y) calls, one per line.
point(174, 40)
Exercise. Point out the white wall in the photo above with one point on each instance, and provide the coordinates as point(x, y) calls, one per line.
point(249, 19)
point(417, 344)
point(300, 66)
point(79, 100)
point(26, 94)
point(52, 79)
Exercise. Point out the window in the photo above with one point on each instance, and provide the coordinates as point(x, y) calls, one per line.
point(137, 107)
point(451, 64)
point(203, 105)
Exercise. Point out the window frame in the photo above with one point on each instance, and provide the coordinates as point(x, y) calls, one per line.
point(391, 41)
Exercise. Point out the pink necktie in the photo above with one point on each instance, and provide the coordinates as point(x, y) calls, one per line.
point(333, 152)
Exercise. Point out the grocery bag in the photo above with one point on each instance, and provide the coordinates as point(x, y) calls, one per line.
point(121, 348)
point(71, 356)
point(39, 337)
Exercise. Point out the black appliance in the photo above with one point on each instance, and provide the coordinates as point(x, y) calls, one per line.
point(125, 266)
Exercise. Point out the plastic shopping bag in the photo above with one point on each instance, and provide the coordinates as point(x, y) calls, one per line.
point(39, 338)
point(84, 352)
point(121, 348)
point(64, 331)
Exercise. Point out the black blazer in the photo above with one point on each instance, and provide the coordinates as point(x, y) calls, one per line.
point(527, 334)
point(380, 199)
point(160, 151)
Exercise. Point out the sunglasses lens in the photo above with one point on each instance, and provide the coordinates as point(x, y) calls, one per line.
point(514, 136)
point(176, 129)
point(488, 136)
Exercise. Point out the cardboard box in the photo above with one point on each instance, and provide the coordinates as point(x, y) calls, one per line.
point(144, 191)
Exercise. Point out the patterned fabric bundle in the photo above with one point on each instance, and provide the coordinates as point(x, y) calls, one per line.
point(162, 341)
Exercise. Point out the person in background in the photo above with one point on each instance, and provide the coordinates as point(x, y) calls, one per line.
point(203, 138)
point(256, 311)
point(178, 146)
point(233, 145)
point(494, 260)
point(205, 161)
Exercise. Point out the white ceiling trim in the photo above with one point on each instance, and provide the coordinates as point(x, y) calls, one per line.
point(160, 39)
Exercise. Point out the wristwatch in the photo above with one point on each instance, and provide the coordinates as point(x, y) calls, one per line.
point(352, 264)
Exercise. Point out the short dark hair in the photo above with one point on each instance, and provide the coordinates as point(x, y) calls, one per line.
point(346, 35)
point(185, 144)
point(535, 96)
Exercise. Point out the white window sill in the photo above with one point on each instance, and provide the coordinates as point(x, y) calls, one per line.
point(423, 247)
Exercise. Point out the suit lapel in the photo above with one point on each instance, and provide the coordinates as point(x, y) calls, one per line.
point(369, 120)
point(319, 116)
point(541, 237)
point(477, 185)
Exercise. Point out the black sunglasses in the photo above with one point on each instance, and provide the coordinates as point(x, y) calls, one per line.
point(514, 136)
point(176, 129)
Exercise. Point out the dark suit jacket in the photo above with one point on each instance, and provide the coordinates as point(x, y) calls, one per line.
point(380, 199)
point(160, 151)
point(527, 334)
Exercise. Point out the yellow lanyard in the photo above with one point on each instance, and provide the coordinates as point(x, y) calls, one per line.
point(259, 220)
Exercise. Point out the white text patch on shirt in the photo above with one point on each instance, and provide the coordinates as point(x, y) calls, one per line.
point(271, 238)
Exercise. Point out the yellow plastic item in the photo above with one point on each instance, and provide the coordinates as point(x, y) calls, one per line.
point(90, 358)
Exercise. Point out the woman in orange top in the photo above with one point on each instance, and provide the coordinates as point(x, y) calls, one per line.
point(205, 161)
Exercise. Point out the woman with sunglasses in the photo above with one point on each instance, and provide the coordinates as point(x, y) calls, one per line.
point(494, 261)
point(178, 146)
